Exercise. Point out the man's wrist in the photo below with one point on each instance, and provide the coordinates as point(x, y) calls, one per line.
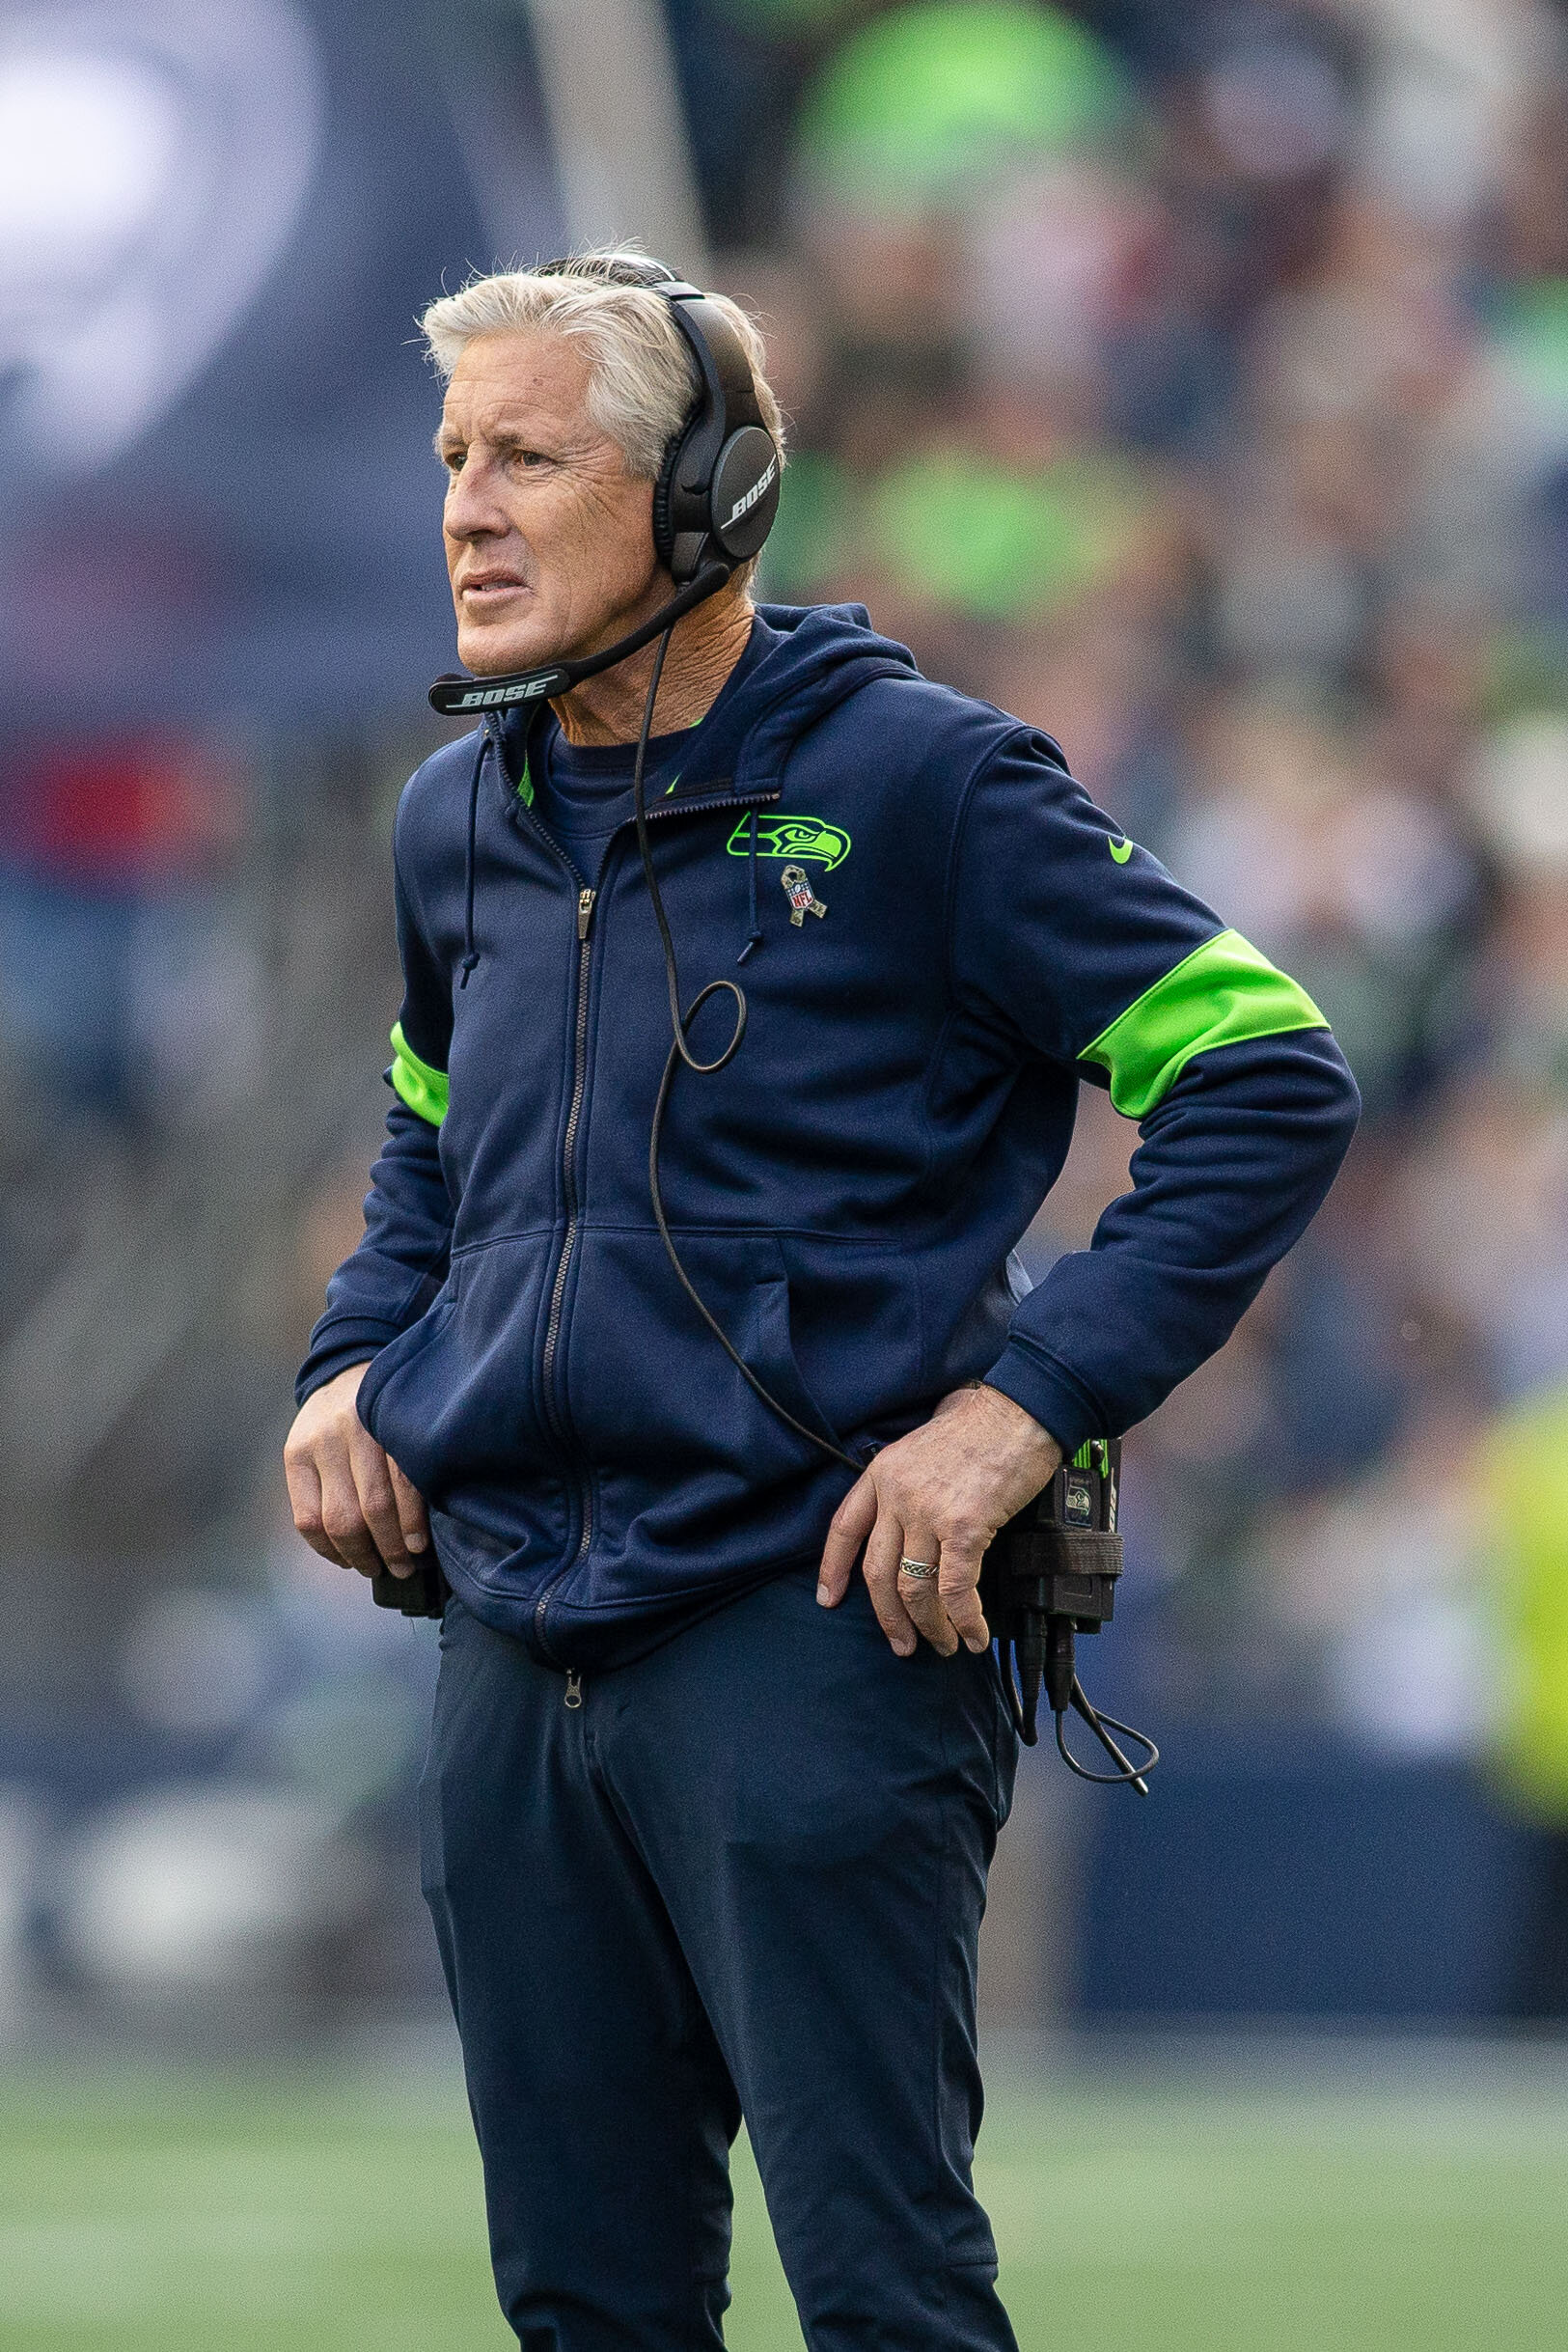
point(1050, 1391)
point(330, 1364)
point(1032, 1440)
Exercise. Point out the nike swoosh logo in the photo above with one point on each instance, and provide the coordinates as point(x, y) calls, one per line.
point(1121, 851)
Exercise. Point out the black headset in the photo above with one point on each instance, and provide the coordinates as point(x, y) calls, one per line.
point(714, 501)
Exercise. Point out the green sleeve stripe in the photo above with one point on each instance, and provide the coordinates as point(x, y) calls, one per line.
point(423, 1087)
point(1223, 994)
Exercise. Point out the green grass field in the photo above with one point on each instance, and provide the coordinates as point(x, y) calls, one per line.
point(1363, 2207)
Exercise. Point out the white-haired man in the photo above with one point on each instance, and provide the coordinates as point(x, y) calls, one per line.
point(707, 1817)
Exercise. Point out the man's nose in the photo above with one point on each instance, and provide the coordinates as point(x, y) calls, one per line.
point(473, 508)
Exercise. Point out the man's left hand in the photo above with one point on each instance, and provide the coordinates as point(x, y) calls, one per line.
point(937, 1497)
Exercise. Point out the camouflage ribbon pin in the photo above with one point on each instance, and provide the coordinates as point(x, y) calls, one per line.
point(803, 900)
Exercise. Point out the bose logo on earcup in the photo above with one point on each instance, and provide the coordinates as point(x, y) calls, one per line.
point(744, 506)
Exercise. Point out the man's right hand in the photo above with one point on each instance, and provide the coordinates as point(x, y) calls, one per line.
point(351, 1502)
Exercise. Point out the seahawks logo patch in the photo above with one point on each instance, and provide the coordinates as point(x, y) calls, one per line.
point(791, 837)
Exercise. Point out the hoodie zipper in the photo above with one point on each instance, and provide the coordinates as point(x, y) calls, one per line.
point(587, 901)
point(695, 806)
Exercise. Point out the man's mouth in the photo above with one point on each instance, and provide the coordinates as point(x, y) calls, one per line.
point(490, 587)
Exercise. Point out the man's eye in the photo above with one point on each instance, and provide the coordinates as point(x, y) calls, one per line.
point(452, 460)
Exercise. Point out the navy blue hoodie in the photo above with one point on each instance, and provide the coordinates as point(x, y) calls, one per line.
point(846, 1193)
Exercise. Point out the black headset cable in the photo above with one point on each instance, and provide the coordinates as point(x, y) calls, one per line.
point(680, 1051)
point(1128, 1774)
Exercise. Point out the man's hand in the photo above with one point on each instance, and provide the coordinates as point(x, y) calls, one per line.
point(351, 1502)
point(938, 1496)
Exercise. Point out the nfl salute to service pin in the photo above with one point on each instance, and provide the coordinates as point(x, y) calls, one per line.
point(803, 900)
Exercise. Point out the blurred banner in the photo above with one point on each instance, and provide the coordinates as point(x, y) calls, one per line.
point(217, 229)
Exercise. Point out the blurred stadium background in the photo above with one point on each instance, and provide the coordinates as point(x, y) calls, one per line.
point(1193, 381)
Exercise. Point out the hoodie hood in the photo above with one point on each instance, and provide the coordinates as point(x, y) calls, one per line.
point(801, 663)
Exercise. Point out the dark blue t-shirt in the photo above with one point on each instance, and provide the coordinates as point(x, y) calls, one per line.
point(585, 790)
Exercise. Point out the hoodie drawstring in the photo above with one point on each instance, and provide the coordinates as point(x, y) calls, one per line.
point(471, 955)
point(753, 937)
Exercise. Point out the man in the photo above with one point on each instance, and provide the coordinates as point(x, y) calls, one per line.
point(718, 1756)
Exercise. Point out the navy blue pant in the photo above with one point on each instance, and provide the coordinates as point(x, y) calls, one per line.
point(744, 1877)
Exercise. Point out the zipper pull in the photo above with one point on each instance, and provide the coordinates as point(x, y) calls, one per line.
point(574, 1680)
point(585, 911)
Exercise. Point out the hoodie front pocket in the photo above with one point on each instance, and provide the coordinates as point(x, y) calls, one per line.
point(676, 1436)
point(647, 1383)
point(456, 1400)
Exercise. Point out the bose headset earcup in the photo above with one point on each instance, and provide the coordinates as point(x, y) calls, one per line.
point(718, 488)
point(680, 549)
point(745, 495)
point(664, 538)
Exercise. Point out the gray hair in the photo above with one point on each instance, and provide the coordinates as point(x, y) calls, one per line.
point(643, 379)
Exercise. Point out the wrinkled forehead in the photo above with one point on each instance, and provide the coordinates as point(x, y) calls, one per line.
point(520, 380)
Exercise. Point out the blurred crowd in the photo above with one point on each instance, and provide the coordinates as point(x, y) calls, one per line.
point(1195, 385)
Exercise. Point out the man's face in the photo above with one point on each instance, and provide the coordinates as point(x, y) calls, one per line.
point(549, 540)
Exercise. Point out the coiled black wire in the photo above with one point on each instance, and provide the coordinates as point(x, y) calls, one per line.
point(1025, 1722)
point(1128, 1774)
